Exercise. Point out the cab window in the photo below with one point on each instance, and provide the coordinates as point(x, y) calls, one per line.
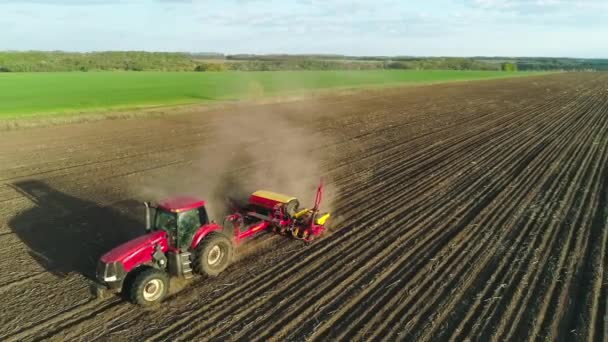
point(188, 223)
point(202, 215)
point(166, 221)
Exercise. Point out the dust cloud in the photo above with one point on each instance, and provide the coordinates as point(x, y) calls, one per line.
point(248, 150)
point(262, 150)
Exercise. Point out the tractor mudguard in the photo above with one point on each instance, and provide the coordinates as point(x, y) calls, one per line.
point(204, 231)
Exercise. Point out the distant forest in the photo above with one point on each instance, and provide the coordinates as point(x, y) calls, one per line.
point(41, 61)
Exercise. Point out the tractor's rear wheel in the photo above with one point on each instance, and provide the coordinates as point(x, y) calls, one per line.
point(213, 255)
point(149, 287)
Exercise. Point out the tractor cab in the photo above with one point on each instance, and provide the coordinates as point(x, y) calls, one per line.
point(180, 218)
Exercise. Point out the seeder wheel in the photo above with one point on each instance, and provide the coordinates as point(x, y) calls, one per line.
point(302, 234)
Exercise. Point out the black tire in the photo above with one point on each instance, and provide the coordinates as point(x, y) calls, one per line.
point(149, 287)
point(207, 261)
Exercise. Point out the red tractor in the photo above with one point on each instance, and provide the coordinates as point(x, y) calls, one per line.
point(180, 240)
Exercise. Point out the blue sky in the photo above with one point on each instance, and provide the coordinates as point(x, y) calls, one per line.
point(573, 28)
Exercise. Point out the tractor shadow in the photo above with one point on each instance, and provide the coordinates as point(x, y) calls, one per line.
point(67, 234)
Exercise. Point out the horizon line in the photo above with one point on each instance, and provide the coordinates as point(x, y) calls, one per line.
point(302, 54)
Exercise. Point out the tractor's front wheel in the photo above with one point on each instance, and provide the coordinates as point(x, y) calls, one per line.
point(149, 287)
point(213, 255)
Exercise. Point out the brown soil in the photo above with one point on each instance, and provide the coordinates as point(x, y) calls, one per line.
point(460, 210)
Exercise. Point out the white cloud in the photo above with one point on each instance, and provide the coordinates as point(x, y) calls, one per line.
point(524, 5)
point(379, 27)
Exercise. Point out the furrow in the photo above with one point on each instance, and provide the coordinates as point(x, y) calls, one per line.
point(414, 296)
point(454, 262)
point(297, 296)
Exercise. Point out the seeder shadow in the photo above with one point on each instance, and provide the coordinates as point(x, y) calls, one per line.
point(67, 234)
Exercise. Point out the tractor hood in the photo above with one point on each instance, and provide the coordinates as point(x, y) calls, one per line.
point(137, 251)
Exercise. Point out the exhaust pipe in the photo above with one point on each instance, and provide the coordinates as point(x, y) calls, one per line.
point(148, 224)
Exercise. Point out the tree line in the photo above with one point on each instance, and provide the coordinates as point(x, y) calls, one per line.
point(53, 61)
point(41, 61)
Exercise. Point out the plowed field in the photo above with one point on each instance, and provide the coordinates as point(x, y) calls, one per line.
point(460, 210)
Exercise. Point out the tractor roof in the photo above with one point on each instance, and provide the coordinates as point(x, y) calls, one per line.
point(181, 203)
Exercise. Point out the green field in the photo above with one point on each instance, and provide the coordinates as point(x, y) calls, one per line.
point(44, 94)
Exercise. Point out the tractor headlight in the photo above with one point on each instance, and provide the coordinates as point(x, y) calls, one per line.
point(108, 272)
point(111, 273)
